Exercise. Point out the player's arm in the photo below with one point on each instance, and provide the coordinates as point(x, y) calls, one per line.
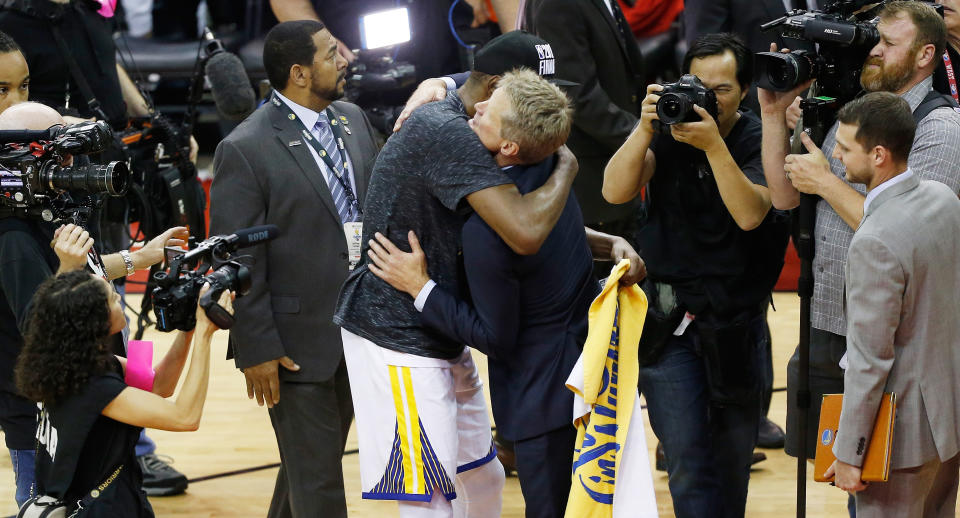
point(524, 221)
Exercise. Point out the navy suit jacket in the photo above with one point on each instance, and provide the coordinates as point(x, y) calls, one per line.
point(529, 314)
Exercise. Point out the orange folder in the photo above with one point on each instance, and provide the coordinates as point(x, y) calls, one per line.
point(876, 465)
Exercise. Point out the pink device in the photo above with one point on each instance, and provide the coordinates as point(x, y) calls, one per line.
point(140, 365)
point(107, 8)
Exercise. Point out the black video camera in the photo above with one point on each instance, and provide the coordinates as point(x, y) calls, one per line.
point(175, 297)
point(677, 100)
point(843, 40)
point(34, 183)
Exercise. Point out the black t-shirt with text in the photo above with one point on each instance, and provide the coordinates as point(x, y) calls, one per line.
point(80, 448)
point(420, 181)
point(691, 241)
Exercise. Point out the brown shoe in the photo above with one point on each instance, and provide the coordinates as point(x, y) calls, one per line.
point(505, 454)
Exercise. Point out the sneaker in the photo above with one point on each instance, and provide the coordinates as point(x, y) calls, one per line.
point(159, 479)
point(770, 435)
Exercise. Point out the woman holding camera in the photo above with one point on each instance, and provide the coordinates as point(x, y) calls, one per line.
point(90, 418)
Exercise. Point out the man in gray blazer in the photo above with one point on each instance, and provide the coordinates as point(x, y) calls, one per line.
point(902, 331)
point(302, 162)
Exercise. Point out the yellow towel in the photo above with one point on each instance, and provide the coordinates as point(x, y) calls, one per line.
point(610, 371)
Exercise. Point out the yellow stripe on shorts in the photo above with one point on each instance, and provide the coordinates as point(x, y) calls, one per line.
point(408, 428)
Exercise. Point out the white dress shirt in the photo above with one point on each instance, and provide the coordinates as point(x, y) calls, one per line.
point(309, 119)
point(884, 186)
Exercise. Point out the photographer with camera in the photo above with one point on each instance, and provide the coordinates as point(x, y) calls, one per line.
point(31, 250)
point(90, 418)
point(912, 37)
point(713, 251)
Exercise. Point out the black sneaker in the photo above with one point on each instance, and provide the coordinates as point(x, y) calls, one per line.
point(159, 479)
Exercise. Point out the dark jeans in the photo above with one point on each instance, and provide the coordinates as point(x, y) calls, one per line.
point(709, 446)
point(544, 464)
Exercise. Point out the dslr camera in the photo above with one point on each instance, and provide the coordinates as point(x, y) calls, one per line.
point(212, 261)
point(34, 183)
point(843, 41)
point(677, 100)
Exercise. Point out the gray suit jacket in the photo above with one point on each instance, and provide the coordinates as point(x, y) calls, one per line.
point(903, 335)
point(261, 179)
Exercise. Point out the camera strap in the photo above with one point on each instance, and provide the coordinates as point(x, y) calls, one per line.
point(335, 126)
point(951, 75)
point(76, 73)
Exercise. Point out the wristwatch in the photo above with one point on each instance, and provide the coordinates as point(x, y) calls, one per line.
point(127, 261)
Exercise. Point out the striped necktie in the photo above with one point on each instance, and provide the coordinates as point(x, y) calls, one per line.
point(338, 181)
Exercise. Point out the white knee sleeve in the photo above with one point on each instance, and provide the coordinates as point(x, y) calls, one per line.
point(439, 507)
point(480, 491)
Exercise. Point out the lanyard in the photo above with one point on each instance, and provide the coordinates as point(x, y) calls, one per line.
point(318, 147)
point(951, 75)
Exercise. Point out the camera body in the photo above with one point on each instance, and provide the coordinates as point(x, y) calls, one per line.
point(677, 100)
point(212, 261)
point(34, 183)
point(843, 40)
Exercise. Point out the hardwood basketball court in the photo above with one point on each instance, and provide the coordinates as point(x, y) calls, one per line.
point(235, 435)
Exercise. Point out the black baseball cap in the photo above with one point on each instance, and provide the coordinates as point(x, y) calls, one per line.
point(518, 49)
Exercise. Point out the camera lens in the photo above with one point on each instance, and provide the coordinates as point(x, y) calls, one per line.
point(782, 72)
point(673, 108)
point(111, 179)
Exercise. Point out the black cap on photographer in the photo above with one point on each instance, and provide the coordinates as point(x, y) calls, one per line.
point(518, 49)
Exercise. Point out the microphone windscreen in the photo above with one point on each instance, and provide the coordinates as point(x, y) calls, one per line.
point(230, 86)
point(256, 235)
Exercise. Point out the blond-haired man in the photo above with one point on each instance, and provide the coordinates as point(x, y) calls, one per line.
point(528, 313)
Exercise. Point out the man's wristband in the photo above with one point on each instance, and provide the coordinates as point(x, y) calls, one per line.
point(127, 261)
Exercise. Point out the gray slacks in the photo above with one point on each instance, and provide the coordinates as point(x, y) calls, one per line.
point(927, 491)
point(311, 423)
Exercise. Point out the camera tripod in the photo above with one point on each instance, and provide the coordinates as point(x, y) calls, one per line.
point(819, 114)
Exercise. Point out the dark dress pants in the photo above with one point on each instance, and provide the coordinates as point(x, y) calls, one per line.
point(544, 465)
point(709, 447)
point(311, 423)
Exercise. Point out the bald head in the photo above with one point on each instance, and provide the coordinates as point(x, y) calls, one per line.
point(29, 116)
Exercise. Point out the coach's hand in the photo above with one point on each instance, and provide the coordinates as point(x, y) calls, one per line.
point(405, 271)
point(263, 380)
point(623, 250)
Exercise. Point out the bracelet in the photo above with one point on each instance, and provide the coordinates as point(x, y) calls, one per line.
point(127, 261)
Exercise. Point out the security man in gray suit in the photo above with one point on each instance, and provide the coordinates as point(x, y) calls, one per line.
point(301, 162)
point(902, 332)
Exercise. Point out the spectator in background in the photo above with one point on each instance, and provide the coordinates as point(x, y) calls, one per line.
point(595, 48)
point(14, 73)
point(942, 81)
point(650, 17)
